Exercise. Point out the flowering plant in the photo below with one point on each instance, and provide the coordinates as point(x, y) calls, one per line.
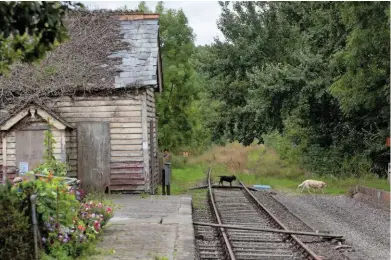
point(66, 221)
point(91, 218)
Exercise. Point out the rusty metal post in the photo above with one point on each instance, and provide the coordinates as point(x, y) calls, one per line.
point(33, 199)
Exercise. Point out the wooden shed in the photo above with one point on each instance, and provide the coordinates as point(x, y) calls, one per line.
point(98, 92)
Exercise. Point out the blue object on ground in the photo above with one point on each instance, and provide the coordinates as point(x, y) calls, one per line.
point(262, 187)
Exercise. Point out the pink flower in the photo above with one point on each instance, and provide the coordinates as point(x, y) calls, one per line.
point(109, 210)
point(96, 225)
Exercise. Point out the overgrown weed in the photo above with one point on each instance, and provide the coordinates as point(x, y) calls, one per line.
point(259, 164)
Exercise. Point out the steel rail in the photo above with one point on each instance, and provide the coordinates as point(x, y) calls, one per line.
point(216, 213)
point(300, 245)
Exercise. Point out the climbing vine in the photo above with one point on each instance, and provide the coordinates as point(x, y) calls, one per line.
point(51, 164)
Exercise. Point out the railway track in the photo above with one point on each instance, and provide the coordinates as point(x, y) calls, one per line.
point(238, 206)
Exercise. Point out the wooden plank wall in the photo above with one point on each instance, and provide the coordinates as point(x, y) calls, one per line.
point(11, 173)
point(151, 109)
point(10, 137)
point(11, 144)
point(124, 115)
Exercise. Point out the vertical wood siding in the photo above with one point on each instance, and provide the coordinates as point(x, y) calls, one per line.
point(151, 110)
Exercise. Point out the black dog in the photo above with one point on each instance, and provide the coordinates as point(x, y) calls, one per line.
point(229, 179)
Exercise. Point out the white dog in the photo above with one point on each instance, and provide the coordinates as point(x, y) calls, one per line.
point(307, 184)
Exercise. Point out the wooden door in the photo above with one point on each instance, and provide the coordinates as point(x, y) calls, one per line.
point(29, 149)
point(93, 155)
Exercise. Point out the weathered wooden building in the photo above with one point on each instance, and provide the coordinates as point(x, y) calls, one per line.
point(98, 92)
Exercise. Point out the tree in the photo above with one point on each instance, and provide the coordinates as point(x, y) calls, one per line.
point(178, 107)
point(362, 87)
point(315, 72)
point(29, 29)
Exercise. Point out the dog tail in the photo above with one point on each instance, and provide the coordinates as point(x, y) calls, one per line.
point(300, 185)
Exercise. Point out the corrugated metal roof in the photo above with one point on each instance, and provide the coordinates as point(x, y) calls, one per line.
point(139, 61)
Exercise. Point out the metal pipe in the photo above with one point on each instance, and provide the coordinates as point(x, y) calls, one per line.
point(269, 230)
point(33, 199)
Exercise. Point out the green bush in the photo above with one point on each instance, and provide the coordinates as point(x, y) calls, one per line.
point(178, 161)
point(319, 160)
point(15, 230)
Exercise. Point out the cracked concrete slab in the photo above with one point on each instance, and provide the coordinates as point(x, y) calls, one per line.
point(144, 228)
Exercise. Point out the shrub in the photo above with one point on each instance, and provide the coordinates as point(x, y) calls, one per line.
point(319, 160)
point(15, 232)
point(178, 161)
point(67, 226)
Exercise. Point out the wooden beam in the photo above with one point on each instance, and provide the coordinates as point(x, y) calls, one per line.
point(13, 120)
point(152, 157)
point(144, 121)
point(45, 115)
point(159, 69)
point(282, 231)
point(4, 140)
point(138, 16)
point(63, 147)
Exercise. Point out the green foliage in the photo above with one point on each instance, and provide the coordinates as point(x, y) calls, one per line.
point(319, 160)
point(15, 232)
point(317, 73)
point(260, 164)
point(177, 113)
point(51, 164)
point(178, 161)
point(30, 29)
point(179, 109)
point(67, 226)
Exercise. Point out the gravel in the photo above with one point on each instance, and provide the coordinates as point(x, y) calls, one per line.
point(321, 247)
point(366, 228)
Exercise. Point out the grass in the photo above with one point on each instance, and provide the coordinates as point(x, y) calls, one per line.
point(256, 164)
point(184, 178)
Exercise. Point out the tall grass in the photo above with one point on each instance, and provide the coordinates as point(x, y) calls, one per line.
point(257, 164)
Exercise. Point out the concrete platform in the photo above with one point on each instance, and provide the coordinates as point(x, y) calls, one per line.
point(156, 227)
